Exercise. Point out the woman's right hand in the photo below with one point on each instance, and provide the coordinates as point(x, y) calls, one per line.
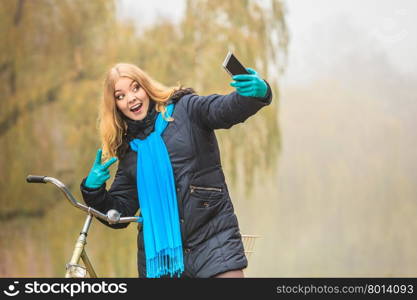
point(99, 173)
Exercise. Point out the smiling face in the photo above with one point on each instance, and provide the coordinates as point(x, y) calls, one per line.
point(131, 99)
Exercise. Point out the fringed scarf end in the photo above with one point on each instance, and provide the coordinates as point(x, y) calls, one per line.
point(166, 262)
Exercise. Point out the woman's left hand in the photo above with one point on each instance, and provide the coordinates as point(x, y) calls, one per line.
point(250, 85)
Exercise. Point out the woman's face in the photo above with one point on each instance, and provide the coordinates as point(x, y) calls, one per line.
point(131, 99)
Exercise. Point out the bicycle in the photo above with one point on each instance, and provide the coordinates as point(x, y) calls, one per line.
point(73, 268)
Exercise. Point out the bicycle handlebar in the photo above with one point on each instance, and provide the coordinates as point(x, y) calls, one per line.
point(112, 216)
point(35, 179)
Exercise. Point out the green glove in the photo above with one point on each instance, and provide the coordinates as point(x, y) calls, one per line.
point(99, 173)
point(250, 85)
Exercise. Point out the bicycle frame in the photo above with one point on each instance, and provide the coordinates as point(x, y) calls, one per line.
point(73, 269)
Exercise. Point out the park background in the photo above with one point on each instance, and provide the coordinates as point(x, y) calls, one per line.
point(326, 175)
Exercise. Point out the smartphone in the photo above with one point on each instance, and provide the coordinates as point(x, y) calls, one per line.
point(233, 66)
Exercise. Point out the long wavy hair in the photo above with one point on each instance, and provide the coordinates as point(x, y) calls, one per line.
point(111, 124)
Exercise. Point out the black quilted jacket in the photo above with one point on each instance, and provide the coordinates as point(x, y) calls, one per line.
point(209, 227)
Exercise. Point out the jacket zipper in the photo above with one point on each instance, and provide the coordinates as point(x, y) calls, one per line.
point(193, 187)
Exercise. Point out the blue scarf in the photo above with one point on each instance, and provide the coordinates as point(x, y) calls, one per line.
point(158, 203)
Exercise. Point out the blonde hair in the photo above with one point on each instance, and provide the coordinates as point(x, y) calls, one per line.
point(111, 125)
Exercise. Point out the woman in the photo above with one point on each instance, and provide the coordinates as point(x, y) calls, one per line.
point(169, 166)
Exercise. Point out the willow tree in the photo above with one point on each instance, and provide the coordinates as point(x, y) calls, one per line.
point(49, 49)
point(53, 56)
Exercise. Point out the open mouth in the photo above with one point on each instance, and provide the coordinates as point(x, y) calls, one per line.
point(136, 108)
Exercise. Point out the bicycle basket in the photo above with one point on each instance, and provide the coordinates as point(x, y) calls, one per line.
point(249, 243)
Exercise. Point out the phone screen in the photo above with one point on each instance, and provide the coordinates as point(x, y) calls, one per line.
point(234, 66)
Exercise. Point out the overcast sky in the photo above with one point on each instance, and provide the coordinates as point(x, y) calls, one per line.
point(323, 32)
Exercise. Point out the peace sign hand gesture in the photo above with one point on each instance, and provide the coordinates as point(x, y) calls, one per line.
point(99, 173)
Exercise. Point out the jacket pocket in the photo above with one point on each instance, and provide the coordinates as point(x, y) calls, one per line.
point(204, 204)
point(206, 194)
